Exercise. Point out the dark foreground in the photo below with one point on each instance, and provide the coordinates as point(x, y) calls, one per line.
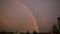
point(26, 33)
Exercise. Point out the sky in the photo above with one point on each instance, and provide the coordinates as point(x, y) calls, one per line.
point(45, 12)
point(15, 16)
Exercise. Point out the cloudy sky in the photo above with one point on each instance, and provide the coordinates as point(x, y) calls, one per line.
point(45, 12)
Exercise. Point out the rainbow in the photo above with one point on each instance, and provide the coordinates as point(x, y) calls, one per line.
point(14, 13)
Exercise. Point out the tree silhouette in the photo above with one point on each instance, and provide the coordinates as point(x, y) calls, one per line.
point(58, 18)
point(58, 21)
point(55, 30)
point(34, 32)
point(16, 31)
point(27, 32)
point(58, 24)
point(4, 32)
point(22, 33)
point(9, 32)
